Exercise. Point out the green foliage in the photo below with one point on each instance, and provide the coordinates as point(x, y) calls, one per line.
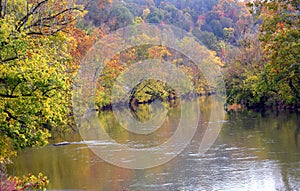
point(156, 16)
point(150, 90)
point(35, 73)
point(271, 77)
point(119, 17)
point(208, 39)
point(243, 70)
point(280, 40)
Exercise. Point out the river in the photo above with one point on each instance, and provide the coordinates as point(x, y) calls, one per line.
point(253, 151)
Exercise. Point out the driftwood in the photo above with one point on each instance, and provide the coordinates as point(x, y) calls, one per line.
point(61, 143)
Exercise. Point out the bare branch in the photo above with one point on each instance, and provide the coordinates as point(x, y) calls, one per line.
point(39, 22)
point(26, 17)
point(63, 25)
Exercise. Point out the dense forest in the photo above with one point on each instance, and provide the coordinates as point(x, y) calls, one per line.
point(42, 42)
point(256, 44)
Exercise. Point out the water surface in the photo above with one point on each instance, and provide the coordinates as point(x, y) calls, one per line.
point(254, 151)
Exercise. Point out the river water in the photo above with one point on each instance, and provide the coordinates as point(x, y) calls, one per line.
point(253, 151)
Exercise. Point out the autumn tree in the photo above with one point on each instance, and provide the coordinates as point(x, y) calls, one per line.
point(279, 34)
point(263, 71)
point(36, 70)
point(243, 67)
point(225, 16)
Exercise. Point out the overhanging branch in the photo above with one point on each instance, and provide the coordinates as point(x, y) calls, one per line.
point(26, 17)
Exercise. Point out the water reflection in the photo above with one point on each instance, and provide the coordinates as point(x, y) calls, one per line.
point(254, 151)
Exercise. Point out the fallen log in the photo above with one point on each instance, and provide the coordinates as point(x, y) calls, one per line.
point(61, 143)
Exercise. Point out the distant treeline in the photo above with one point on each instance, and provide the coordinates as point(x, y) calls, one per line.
point(257, 43)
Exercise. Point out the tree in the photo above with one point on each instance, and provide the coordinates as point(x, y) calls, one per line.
point(265, 72)
point(228, 14)
point(36, 71)
point(120, 17)
point(279, 34)
point(208, 39)
point(155, 16)
point(242, 71)
point(98, 11)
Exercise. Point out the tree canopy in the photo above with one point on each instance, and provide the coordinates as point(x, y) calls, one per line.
point(36, 70)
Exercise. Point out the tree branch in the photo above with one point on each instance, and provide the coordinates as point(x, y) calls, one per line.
point(14, 96)
point(13, 117)
point(63, 25)
point(8, 96)
point(49, 90)
point(26, 17)
point(41, 33)
point(39, 22)
point(9, 59)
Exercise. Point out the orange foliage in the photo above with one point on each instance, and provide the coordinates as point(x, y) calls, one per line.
point(83, 42)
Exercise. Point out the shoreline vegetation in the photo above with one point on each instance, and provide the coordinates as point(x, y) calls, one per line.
point(255, 44)
point(227, 107)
